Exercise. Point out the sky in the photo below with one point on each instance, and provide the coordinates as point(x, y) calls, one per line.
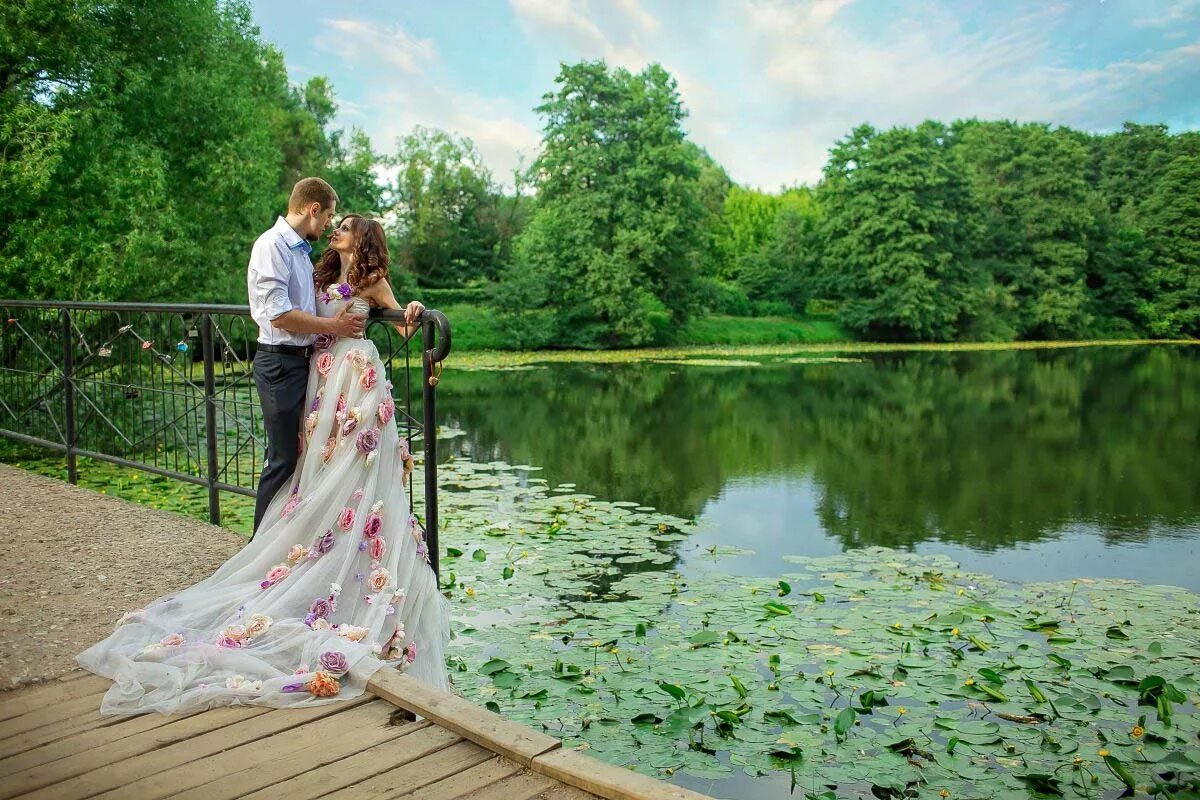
point(769, 85)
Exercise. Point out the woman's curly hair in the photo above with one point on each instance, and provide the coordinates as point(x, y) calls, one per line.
point(371, 256)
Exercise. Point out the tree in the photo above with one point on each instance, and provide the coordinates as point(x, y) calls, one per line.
point(896, 243)
point(1171, 214)
point(447, 224)
point(613, 247)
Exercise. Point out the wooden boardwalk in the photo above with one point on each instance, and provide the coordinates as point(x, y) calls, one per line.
point(55, 745)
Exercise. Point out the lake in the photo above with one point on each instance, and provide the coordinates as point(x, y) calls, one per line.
point(1028, 464)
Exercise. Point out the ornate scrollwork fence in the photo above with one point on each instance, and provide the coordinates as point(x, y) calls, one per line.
point(168, 389)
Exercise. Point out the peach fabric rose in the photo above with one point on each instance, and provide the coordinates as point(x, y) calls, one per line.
point(324, 363)
point(172, 640)
point(323, 684)
point(379, 580)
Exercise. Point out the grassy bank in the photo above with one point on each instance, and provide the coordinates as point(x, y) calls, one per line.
point(477, 328)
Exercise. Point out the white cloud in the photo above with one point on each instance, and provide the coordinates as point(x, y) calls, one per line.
point(371, 43)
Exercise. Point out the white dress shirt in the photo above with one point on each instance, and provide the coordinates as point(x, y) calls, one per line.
point(278, 280)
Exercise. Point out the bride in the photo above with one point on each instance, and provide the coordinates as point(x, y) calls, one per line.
point(336, 582)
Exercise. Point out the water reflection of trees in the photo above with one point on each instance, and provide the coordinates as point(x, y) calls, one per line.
point(985, 449)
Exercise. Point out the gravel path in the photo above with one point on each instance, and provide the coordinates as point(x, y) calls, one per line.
point(74, 561)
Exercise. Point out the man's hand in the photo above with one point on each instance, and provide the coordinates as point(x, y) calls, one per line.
point(413, 312)
point(349, 325)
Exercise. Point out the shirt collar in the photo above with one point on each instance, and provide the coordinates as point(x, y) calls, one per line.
point(290, 237)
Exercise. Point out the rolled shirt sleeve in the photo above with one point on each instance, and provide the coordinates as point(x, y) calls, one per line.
point(269, 280)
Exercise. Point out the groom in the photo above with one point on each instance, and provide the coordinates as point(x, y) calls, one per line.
point(283, 303)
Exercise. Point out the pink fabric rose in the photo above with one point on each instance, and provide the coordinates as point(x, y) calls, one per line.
point(340, 410)
point(275, 575)
point(346, 518)
point(349, 425)
point(410, 652)
point(324, 363)
point(373, 526)
point(386, 410)
point(368, 378)
point(224, 640)
point(290, 505)
point(320, 608)
point(367, 441)
point(376, 548)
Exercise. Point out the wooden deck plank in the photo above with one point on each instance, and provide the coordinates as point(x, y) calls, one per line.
point(50, 714)
point(47, 694)
point(130, 768)
point(615, 783)
point(316, 756)
point(523, 786)
point(76, 735)
point(367, 763)
point(89, 755)
point(414, 776)
point(509, 739)
point(463, 783)
point(368, 721)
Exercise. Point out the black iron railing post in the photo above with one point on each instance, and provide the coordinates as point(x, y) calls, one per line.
point(429, 428)
point(210, 417)
point(68, 371)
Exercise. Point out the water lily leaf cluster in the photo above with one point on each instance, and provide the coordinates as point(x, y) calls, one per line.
point(871, 672)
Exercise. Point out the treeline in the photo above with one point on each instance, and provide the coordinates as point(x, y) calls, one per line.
point(144, 146)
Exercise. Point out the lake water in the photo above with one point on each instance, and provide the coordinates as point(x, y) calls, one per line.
point(1028, 464)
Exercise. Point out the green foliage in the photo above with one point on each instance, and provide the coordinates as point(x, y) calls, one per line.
point(613, 246)
point(448, 210)
point(897, 242)
point(1171, 216)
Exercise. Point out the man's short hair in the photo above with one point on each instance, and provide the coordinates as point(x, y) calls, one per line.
point(311, 190)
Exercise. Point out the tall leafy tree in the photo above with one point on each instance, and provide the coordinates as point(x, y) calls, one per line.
point(896, 242)
point(447, 223)
point(614, 244)
point(1036, 209)
point(1171, 215)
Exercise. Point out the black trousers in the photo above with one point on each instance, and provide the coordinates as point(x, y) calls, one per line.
point(282, 381)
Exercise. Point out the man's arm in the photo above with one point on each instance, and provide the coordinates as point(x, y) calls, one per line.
point(297, 321)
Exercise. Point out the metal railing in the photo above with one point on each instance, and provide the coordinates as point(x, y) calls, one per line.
point(168, 389)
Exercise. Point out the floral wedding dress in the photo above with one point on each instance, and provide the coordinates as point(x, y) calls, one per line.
point(335, 584)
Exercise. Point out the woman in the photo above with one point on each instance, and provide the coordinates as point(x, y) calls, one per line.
point(336, 582)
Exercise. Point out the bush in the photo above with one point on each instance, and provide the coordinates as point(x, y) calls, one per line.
point(718, 297)
point(772, 308)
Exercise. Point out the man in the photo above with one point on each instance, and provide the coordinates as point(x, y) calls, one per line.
point(283, 303)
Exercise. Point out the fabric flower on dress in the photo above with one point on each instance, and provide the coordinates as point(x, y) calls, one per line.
point(386, 410)
point(410, 652)
point(323, 341)
point(240, 683)
point(368, 378)
point(376, 548)
point(339, 412)
point(334, 661)
point(296, 554)
point(346, 518)
point(257, 625)
point(335, 589)
point(371, 458)
point(323, 685)
point(275, 575)
point(323, 544)
point(321, 608)
point(367, 440)
point(316, 403)
point(328, 449)
point(352, 419)
point(354, 633)
point(379, 579)
point(310, 423)
point(358, 495)
point(172, 640)
point(325, 363)
point(373, 526)
point(290, 505)
point(398, 596)
point(320, 624)
point(359, 357)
